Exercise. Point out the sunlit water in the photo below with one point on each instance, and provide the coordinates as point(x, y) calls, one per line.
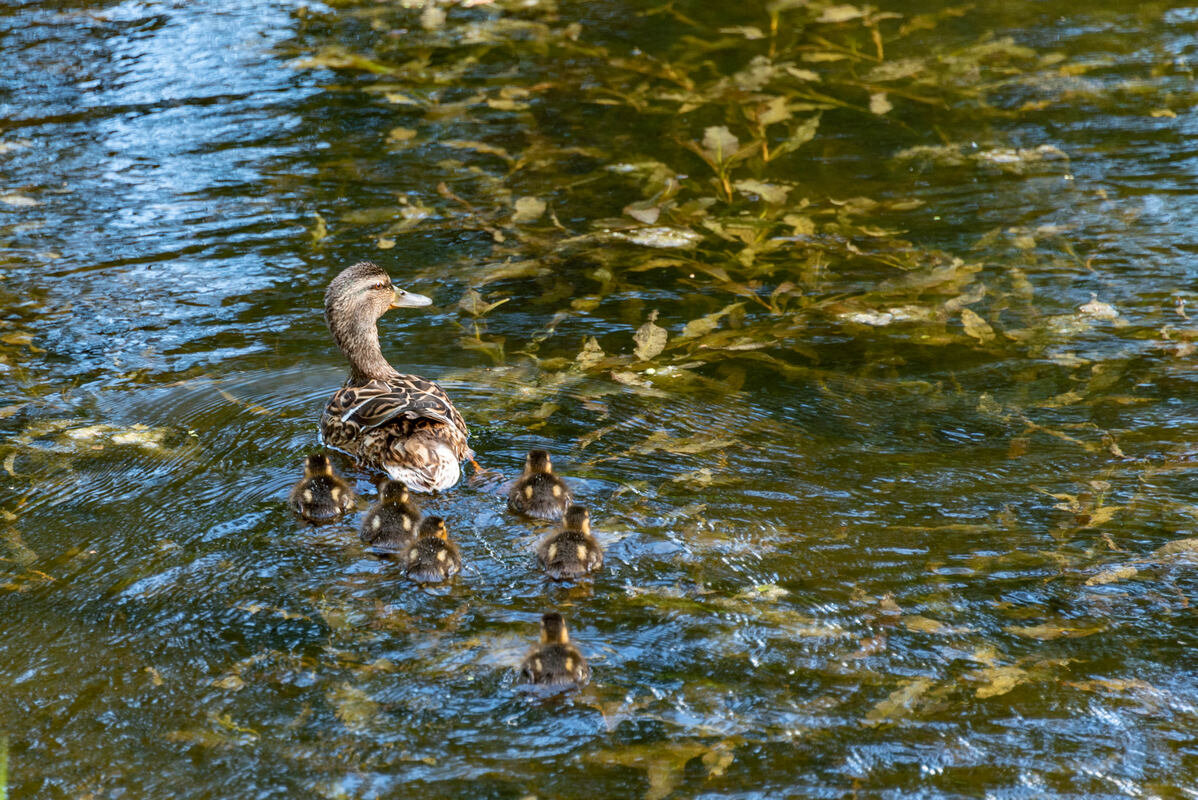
point(848, 554)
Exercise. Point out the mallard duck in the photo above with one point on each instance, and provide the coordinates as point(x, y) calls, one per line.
point(321, 495)
point(399, 424)
point(571, 552)
point(538, 492)
point(555, 661)
point(391, 522)
point(433, 558)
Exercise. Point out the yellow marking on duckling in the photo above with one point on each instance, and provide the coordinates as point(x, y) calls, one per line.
point(407, 523)
point(442, 555)
point(536, 664)
point(569, 664)
point(557, 491)
point(336, 494)
point(307, 495)
point(552, 553)
point(376, 523)
point(412, 554)
point(582, 552)
point(528, 492)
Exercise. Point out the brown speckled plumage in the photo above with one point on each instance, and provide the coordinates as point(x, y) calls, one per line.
point(402, 425)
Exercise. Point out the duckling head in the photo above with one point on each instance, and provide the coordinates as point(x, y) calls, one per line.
point(553, 629)
point(537, 461)
point(318, 464)
point(434, 526)
point(393, 492)
point(578, 518)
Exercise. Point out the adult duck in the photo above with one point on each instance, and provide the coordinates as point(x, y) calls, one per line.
point(403, 425)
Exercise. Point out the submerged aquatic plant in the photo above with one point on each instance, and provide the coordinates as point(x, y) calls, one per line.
point(725, 207)
point(807, 286)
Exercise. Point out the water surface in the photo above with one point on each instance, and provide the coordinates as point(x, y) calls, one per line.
point(905, 506)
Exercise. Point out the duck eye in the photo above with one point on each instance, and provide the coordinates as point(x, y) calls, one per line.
point(378, 286)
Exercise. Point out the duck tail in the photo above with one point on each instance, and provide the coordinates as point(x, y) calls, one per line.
point(425, 461)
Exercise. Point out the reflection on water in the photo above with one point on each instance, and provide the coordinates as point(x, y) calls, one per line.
point(902, 503)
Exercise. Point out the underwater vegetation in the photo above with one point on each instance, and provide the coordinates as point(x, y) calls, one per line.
point(866, 331)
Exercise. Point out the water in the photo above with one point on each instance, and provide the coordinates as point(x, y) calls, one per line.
point(859, 542)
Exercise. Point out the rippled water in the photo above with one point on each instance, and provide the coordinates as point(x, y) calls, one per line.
point(857, 556)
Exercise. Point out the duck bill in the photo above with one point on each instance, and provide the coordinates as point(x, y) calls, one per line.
point(402, 299)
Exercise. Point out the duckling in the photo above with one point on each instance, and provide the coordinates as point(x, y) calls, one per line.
point(538, 492)
point(571, 552)
point(433, 558)
point(391, 522)
point(321, 495)
point(555, 662)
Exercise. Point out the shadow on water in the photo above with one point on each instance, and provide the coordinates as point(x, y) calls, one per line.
point(866, 334)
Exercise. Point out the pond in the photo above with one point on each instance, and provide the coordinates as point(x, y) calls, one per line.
point(867, 334)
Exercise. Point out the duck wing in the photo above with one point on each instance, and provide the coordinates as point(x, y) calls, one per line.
point(382, 415)
point(363, 408)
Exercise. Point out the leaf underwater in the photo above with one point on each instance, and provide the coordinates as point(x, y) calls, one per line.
point(664, 763)
point(999, 680)
point(590, 355)
point(473, 303)
point(1112, 576)
point(662, 236)
point(340, 58)
point(839, 13)
point(924, 624)
point(645, 212)
point(1053, 630)
point(319, 230)
point(719, 143)
point(19, 200)
point(650, 339)
point(898, 703)
point(707, 324)
point(353, 706)
point(529, 209)
point(509, 270)
point(1177, 547)
point(976, 327)
point(770, 193)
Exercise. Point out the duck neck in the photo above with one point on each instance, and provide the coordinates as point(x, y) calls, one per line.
point(358, 340)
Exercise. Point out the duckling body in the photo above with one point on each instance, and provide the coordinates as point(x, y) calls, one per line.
point(539, 492)
point(392, 522)
point(555, 661)
point(402, 425)
point(571, 552)
point(321, 495)
point(433, 558)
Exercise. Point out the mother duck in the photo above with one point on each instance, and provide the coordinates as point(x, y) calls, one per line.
point(399, 424)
